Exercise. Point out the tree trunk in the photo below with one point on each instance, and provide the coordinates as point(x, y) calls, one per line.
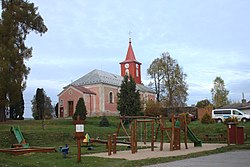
point(2, 113)
point(2, 107)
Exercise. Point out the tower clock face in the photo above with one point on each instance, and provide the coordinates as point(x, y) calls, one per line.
point(126, 65)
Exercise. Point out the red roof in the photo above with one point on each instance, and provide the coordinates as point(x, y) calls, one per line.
point(130, 52)
point(130, 57)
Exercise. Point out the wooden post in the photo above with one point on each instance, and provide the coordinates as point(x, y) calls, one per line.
point(78, 150)
point(79, 135)
point(172, 137)
point(135, 135)
point(145, 132)
point(162, 137)
point(109, 145)
point(152, 136)
point(184, 124)
point(132, 139)
point(114, 143)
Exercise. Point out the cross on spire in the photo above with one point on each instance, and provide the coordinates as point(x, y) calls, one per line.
point(129, 34)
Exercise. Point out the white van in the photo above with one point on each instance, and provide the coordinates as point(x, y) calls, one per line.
point(221, 114)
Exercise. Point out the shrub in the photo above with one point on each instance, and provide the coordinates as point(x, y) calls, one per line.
point(230, 119)
point(207, 119)
point(104, 121)
point(153, 109)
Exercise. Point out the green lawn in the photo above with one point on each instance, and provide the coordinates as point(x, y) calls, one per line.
point(61, 131)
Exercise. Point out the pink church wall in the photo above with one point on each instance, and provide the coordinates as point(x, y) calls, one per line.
point(72, 94)
point(68, 95)
point(110, 107)
point(96, 105)
point(96, 108)
point(89, 100)
point(102, 99)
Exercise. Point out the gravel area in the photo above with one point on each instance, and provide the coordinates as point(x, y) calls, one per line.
point(147, 153)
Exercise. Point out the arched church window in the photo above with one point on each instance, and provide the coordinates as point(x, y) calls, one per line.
point(137, 73)
point(127, 72)
point(61, 102)
point(110, 97)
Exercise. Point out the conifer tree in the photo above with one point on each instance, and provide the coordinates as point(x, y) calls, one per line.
point(18, 19)
point(129, 98)
point(41, 105)
point(17, 106)
point(80, 110)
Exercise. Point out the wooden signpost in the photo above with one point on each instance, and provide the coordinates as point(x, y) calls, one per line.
point(79, 135)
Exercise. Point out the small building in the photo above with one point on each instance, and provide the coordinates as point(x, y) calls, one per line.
point(99, 89)
point(244, 106)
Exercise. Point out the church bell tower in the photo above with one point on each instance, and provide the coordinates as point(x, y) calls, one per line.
point(130, 66)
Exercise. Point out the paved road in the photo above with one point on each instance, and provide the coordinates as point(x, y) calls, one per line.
point(228, 159)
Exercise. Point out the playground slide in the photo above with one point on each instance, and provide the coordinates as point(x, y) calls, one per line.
point(193, 138)
point(19, 136)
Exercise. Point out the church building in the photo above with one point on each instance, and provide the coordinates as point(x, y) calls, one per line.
point(99, 89)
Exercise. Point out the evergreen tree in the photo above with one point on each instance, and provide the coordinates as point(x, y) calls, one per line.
point(17, 108)
point(48, 108)
point(56, 110)
point(40, 103)
point(41, 106)
point(129, 98)
point(80, 110)
point(18, 19)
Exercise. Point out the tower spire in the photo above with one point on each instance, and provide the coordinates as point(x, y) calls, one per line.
point(130, 66)
point(130, 53)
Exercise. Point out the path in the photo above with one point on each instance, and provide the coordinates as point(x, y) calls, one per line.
point(228, 159)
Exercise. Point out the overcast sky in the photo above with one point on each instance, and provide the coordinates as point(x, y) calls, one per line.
point(208, 38)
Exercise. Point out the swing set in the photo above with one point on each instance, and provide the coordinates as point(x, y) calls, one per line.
point(132, 137)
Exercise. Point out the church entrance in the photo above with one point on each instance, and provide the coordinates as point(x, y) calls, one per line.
point(71, 109)
point(61, 112)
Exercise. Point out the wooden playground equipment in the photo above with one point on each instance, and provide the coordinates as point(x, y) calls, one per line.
point(132, 137)
point(135, 122)
point(22, 147)
point(132, 132)
point(173, 133)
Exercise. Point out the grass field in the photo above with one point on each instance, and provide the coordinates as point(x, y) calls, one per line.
point(61, 131)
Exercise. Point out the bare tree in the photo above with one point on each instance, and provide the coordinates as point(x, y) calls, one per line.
point(169, 81)
point(155, 71)
point(219, 93)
